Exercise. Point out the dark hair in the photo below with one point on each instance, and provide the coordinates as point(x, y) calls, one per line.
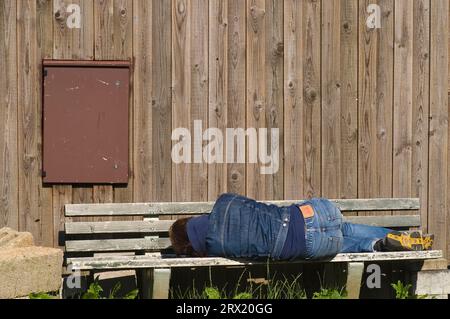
point(179, 238)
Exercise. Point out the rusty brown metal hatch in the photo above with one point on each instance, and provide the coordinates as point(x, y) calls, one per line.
point(85, 122)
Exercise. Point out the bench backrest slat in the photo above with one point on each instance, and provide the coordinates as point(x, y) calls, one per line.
point(110, 245)
point(118, 227)
point(162, 226)
point(150, 209)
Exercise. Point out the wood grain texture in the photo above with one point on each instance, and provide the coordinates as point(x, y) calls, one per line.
point(403, 99)
point(198, 94)
point(236, 95)
point(256, 92)
point(349, 99)
point(218, 90)
point(132, 262)
point(108, 245)
point(44, 24)
point(375, 103)
point(274, 108)
point(161, 100)
point(294, 143)
point(73, 43)
point(181, 86)
point(142, 114)
point(123, 33)
point(118, 227)
point(311, 97)
point(162, 226)
point(421, 105)
point(34, 200)
point(154, 208)
point(9, 214)
point(331, 98)
point(438, 130)
point(153, 108)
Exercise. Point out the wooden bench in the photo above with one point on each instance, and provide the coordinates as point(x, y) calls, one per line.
point(145, 247)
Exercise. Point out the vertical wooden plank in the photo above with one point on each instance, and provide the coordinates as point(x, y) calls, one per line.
point(9, 214)
point(153, 108)
point(113, 41)
point(181, 84)
point(143, 137)
point(274, 108)
point(256, 91)
point(312, 98)
point(331, 99)
point(218, 89)
point(162, 99)
point(123, 33)
point(152, 53)
point(403, 99)
point(294, 143)
point(104, 48)
point(448, 141)
point(78, 44)
point(44, 25)
point(198, 93)
point(35, 201)
point(236, 112)
point(73, 43)
point(376, 98)
point(302, 99)
point(438, 135)
point(349, 99)
point(421, 105)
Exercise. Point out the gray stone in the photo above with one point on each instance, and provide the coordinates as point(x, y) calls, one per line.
point(10, 238)
point(29, 269)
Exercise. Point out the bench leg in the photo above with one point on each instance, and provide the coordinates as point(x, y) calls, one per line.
point(161, 283)
point(154, 283)
point(354, 275)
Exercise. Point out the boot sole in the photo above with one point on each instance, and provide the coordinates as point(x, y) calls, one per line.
point(400, 241)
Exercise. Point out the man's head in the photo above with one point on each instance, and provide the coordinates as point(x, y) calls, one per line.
point(179, 238)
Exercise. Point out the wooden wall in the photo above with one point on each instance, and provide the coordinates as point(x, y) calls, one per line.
point(362, 112)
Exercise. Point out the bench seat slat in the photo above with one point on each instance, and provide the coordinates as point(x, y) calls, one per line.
point(148, 209)
point(158, 226)
point(108, 245)
point(133, 262)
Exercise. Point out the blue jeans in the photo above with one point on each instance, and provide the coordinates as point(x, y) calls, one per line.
point(327, 234)
point(361, 238)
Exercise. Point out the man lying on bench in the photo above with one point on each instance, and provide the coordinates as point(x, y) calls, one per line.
point(239, 227)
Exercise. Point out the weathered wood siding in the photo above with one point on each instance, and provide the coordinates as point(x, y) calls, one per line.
point(361, 112)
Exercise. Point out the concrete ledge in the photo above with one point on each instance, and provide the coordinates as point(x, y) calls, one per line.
point(433, 282)
point(29, 269)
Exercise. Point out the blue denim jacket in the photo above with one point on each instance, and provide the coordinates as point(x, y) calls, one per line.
point(242, 227)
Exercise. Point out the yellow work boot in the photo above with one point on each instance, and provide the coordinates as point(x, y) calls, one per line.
point(404, 241)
